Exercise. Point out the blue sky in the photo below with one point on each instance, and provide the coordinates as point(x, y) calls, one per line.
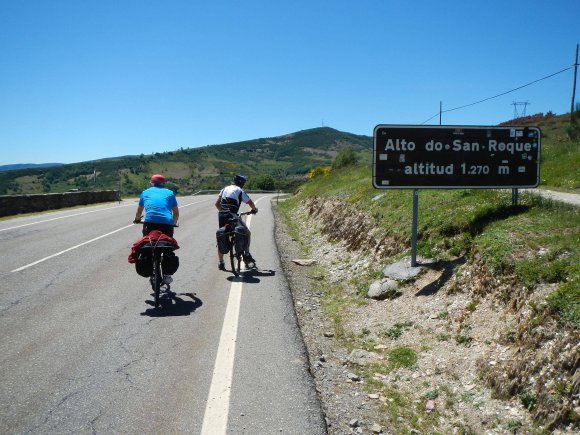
point(83, 80)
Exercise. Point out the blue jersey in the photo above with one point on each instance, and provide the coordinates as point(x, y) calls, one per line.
point(158, 203)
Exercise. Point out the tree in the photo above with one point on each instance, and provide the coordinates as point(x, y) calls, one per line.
point(345, 157)
point(262, 182)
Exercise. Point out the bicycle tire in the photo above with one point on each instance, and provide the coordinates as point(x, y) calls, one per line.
point(233, 262)
point(156, 278)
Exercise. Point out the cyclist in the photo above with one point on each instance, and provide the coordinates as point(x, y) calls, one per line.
point(161, 210)
point(229, 200)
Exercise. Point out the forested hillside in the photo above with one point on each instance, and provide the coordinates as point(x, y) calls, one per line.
point(276, 162)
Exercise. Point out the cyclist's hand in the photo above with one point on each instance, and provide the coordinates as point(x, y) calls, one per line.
point(255, 211)
point(137, 221)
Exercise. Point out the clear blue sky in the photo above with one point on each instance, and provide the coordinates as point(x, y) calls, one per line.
point(83, 80)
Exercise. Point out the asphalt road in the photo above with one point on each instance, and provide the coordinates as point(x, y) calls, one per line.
point(82, 349)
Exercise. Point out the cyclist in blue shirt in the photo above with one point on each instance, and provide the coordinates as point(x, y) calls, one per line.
point(160, 206)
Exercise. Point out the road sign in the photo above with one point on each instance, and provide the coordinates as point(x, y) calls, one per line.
point(454, 157)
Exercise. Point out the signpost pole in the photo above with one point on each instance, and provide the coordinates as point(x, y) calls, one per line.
point(574, 86)
point(515, 196)
point(414, 229)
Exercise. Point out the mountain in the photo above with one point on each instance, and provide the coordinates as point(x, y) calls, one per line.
point(285, 159)
point(27, 166)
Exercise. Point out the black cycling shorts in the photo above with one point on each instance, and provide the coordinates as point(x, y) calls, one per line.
point(164, 228)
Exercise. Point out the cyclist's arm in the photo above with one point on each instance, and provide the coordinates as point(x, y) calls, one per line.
point(252, 206)
point(139, 213)
point(218, 203)
point(175, 212)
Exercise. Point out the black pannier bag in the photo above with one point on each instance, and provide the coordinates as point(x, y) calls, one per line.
point(144, 264)
point(169, 263)
point(223, 241)
point(241, 239)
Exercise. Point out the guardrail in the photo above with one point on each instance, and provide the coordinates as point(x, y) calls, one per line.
point(17, 204)
point(201, 192)
point(279, 193)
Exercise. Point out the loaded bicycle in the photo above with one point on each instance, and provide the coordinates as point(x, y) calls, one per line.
point(236, 242)
point(159, 252)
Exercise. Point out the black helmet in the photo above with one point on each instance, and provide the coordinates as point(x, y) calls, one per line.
point(239, 180)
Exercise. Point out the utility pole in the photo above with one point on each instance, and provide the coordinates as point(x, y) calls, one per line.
point(574, 85)
point(440, 111)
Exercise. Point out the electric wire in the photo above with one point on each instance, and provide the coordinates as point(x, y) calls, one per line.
point(498, 95)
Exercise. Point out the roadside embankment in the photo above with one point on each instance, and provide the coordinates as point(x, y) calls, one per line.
point(482, 340)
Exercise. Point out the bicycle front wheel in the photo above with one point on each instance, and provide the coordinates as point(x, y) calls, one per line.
point(233, 262)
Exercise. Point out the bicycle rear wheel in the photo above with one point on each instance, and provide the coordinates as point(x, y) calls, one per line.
point(156, 279)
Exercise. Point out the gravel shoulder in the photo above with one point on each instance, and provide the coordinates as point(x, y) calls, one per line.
point(454, 333)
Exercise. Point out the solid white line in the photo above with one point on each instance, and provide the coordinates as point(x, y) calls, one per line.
point(64, 217)
point(215, 419)
point(84, 212)
point(84, 243)
point(70, 249)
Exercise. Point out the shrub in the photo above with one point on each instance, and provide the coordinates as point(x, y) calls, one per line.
point(319, 171)
point(565, 302)
point(345, 157)
point(403, 356)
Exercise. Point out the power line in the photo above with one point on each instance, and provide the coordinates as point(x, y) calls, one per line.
point(499, 95)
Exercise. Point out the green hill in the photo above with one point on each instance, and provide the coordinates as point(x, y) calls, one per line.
point(285, 159)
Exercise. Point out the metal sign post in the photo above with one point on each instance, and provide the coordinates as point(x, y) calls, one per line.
point(454, 157)
point(414, 228)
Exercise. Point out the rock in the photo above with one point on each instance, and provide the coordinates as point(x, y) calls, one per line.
point(353, 423)
point(430, 406)
point(362, 357)
point(329, 334)
point(304, 261)
point(376, 428)
point(381, 290)
point(373, 396)
point(353, 377)
point(403, 270)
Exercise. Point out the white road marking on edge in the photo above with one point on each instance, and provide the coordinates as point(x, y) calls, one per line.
point(215, 419)
point(63, 217)
point(84, 243)
point(70, 249)
point(85, 212)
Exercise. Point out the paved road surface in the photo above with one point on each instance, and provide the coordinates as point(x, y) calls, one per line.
point(83, 351)
point(569, 198)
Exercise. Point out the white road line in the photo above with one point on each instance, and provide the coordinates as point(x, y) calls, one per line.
point(70, 249)
point(84, 212)
point(84, 243)
point(64, 217)
point(215, 419)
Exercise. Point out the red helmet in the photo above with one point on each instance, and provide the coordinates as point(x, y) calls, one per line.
point(157, 179)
